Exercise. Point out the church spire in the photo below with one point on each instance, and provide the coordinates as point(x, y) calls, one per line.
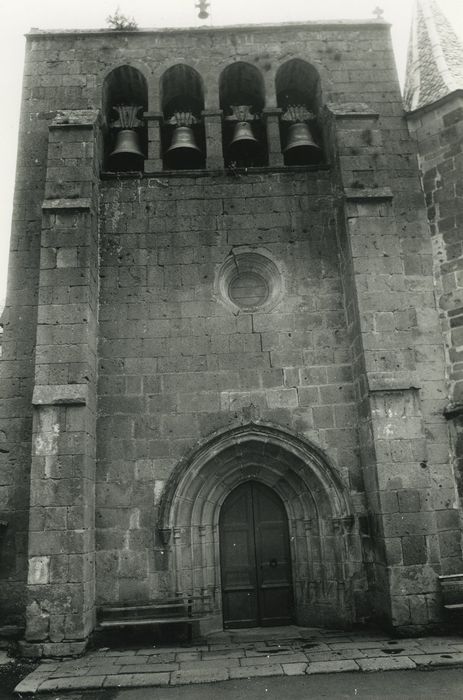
point(435, 57)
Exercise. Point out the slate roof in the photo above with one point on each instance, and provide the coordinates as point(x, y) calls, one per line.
point(435, 57)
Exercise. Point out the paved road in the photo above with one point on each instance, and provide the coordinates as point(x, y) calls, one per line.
point(406, 685)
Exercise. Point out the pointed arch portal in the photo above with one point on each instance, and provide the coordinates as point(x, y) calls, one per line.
point(314, 503)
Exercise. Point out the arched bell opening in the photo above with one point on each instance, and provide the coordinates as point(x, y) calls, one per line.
point(125, 99)
point(299, 97)
point(242, 99)
point(182, 134)
point(316, 506)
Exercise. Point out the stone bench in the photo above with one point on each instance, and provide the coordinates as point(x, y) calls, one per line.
point(452, 591)
point(186, 610)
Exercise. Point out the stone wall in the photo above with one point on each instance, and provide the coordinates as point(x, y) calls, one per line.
point(399, 372)
point(61, 581)
point(178, 364)
point(438, 130)
point(343, 356)
point(66, 71)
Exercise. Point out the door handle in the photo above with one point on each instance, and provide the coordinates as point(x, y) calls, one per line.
point(272, 563)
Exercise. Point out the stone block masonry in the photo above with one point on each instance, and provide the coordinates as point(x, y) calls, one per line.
point(60, 609)
point(170, 335)
point(176, 364)
point(240, 655)
point(438, 130)
point(399, 357)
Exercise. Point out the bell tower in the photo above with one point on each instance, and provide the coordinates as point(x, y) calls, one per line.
point(222, 286)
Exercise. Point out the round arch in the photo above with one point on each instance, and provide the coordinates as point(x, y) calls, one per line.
point(181, 88)
point(241, 83)
point(297, 82)
point(125, 83)
point(315, 499)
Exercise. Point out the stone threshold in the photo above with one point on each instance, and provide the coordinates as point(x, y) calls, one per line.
point(287, 651)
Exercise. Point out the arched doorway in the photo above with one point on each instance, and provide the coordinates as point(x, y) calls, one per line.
point(325, 565)
point(255, 558)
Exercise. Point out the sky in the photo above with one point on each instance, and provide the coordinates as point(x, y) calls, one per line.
point(18, 17)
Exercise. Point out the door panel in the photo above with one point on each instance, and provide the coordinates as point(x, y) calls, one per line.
point(276, 606)
point(255, 558)
point(272, 555)
point(237, 551)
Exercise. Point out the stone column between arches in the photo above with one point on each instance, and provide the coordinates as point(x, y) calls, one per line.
point(324, 550)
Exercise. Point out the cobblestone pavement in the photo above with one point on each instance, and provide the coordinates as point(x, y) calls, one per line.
point(244, 654)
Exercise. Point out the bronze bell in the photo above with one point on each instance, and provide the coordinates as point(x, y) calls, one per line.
point(243, 132)
point(243, 145)
point(127, 142)
point(183, 151)
point(127, 153)
point(301, 148)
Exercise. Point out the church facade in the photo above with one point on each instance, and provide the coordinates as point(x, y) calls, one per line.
point(224, 368)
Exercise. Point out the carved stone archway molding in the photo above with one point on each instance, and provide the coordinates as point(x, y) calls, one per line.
point(312, 491)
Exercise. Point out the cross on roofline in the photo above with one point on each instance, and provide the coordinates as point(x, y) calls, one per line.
point(202, 6)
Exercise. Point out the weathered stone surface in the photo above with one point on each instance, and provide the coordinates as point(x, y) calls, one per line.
point(137, 680)
point(73, 682)
point(294, 669)
point(257, 671)
point(30, 684)
point(331, 666)
point(273, 658)
point(116, 292)
point(39, 570)
point(38, 622)
point(148, 668)
point(389, 663)
point(449, 658)
point(199, 675)
point(366, 652)
point(60, 394)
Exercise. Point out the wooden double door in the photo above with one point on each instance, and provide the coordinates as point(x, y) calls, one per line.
point(255, 558)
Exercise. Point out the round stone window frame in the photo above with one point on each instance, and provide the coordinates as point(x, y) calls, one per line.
point(255, 261)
